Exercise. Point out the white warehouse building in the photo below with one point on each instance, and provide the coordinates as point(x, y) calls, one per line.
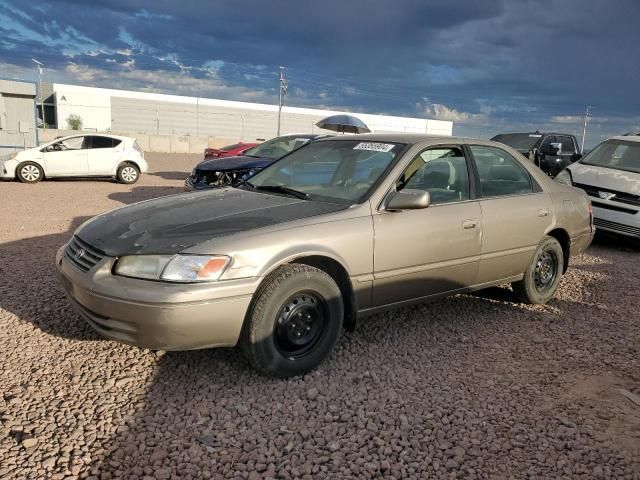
point(104, 110)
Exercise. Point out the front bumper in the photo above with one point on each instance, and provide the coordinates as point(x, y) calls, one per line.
point(622, 223)
point(191, 186)
point(157, 315)
point(8, 169)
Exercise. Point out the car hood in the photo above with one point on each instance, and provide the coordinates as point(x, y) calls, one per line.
point(234, 163)
point(171, 224)
point(606, 178)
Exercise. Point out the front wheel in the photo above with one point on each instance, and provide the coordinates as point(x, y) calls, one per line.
point(294, 323)
point(29, 172)
point(127, 173)
point(542, 278)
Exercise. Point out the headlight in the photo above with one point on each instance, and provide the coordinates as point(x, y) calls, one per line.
point(564, 177)
point(173, 268)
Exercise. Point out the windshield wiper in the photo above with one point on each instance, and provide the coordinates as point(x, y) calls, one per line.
point(245, 183)
point(282, 189)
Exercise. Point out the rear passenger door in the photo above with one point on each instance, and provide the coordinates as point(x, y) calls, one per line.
point(516, 213)
point(103, 155)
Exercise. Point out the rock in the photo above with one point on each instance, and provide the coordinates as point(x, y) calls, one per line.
point(29, 442)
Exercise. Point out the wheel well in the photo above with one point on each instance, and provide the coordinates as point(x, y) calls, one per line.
point(565, 242)
point(128, 162)
point(341, 277)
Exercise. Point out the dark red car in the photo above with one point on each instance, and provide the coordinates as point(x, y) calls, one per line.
point(233, 150)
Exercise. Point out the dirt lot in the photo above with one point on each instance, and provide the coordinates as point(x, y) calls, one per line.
point(474, 386)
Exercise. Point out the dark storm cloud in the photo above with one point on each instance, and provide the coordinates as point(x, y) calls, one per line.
point(496, 60)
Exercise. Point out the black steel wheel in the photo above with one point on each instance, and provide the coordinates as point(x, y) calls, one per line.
point(300, 324)
point(294, 321)
point(543, 275)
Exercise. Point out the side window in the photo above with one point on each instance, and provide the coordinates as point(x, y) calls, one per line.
point(546, 143)
point(103, 142)
point(75, 143)
point(567, 145)
point(500, 174)
point(440, 171)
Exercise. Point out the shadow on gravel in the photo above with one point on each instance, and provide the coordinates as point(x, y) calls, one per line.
point(176, 175)
point(33, 291)
point(138, 194)
point(611, 241)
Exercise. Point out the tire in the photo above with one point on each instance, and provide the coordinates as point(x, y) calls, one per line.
point(128, 173)
point(294, 322)
point(543, 276)
point(29, 172)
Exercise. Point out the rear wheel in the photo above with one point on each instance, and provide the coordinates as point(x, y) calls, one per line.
point(29, 172)
point(128, 173)
point(542, 278)
point(294, 323)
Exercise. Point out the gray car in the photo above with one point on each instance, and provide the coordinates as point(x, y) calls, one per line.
point(339, 229)
point(610, 174)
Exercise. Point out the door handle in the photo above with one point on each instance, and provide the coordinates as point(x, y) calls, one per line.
point(468, 224)
point(543, 212)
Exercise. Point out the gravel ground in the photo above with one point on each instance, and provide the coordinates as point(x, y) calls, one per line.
point(474, 386)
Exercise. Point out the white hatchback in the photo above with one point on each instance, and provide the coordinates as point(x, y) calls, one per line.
point(96, 155)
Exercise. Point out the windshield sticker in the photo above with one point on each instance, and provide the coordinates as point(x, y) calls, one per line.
point(534, 136)
point(303, 140)
point(374, 147)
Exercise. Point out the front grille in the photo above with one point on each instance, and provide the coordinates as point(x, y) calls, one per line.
point(617, 227)
point(615, 208)
point(621, 197)
point(220, 178)
point(82, 255)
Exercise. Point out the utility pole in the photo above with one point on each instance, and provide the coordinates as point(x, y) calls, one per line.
point(587, 114)
point(283, 92)
point(40, 65)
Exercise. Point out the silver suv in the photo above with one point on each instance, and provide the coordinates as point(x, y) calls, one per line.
point(610, 174)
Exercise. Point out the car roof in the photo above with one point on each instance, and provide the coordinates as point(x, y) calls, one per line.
point(534, 133)
point(628, 138)
point(407, 138)
point(94, 134)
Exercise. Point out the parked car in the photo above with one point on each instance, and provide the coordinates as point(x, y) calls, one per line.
point(610, 174)
point(217, 173)
point(233, 150)
point(550, 151)
point(95, 155)
point(279, 265)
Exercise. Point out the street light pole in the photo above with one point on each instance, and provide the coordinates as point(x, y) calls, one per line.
point(283, 91)
point(40, 65)
point(587, 114)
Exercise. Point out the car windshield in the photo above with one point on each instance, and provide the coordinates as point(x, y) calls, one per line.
point(618, 154)
point(277, 147)
point(338, 171)
point(519, 141)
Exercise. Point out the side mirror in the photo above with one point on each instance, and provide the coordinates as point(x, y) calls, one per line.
point(49, 148)
point(408, 200)
point(575, 157)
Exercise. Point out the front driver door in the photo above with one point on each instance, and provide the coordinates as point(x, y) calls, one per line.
point(66, 158)
point(418, 253)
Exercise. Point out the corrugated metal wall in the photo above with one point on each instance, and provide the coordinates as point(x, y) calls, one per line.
point(169, 118)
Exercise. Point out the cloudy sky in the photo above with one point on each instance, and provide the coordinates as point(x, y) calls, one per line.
point(488, 65)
